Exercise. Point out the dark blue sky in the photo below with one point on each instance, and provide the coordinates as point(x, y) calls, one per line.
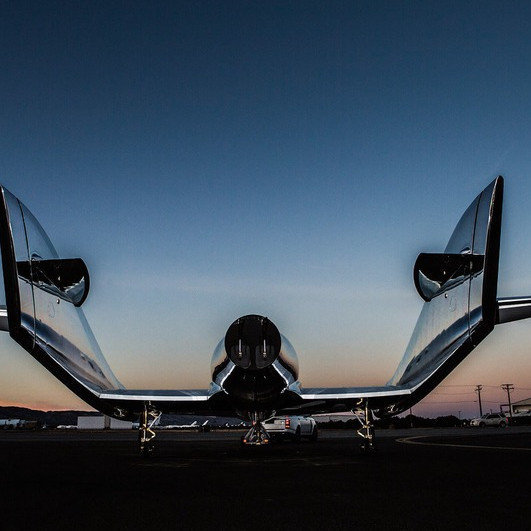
point(211, 159)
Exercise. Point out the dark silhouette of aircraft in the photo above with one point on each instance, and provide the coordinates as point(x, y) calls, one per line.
point(254, 367)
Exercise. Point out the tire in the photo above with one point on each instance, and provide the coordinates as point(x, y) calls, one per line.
point(297, 436)
point(314, 435)
point(502, 424)
point(147, 450)
point(481, 424)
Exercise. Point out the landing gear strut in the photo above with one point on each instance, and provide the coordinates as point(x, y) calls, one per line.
point(366, 431)
point(257, 435)
point(148, 418)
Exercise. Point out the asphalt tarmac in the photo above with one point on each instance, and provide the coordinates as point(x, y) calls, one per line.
point(417, 479)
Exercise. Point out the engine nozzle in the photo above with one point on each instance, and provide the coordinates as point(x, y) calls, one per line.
point(252, 342)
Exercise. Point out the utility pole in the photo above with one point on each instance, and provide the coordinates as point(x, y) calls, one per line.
point(478, 391)
point(509, 387)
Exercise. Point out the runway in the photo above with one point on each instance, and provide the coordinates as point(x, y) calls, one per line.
point(418, 479)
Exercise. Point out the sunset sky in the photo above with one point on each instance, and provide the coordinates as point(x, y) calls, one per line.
point(213, 159)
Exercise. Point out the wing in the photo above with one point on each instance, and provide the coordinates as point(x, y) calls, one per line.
point(44, 295)
point(461, 309)
point(338, 399)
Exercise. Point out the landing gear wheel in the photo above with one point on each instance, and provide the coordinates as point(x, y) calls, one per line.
point(146, 450)
point(368, 446)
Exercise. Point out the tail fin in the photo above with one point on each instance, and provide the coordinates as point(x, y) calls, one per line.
point(459, 287)
point(43, 295)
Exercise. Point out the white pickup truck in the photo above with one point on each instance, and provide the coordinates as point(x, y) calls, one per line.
point(293, 428)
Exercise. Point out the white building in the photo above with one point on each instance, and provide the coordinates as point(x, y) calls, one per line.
point(523, 406)
point(101, 422)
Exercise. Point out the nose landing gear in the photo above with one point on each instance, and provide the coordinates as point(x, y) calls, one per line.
point(257, 435)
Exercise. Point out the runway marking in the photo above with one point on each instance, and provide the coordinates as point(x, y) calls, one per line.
point(410, 440)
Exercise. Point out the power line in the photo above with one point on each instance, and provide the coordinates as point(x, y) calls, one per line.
point(455, 402)
point(483, 401)
point(453, 394)
point(483, 385)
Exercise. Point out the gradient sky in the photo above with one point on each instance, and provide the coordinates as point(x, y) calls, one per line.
point(213, 159)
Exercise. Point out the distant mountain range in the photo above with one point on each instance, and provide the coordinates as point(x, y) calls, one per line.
point(58, 418)
point(48, 418)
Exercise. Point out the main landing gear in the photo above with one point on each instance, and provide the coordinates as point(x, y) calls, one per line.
point(366, 431)
point(148, 418)
point(257, 435)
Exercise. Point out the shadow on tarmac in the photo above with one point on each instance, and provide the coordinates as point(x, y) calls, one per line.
point(96, 480)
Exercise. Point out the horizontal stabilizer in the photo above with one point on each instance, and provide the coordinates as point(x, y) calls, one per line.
point(4, 325)
point(513, 309)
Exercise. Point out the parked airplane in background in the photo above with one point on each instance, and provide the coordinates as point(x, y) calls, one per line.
point(193, 426)
point(254, 367)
